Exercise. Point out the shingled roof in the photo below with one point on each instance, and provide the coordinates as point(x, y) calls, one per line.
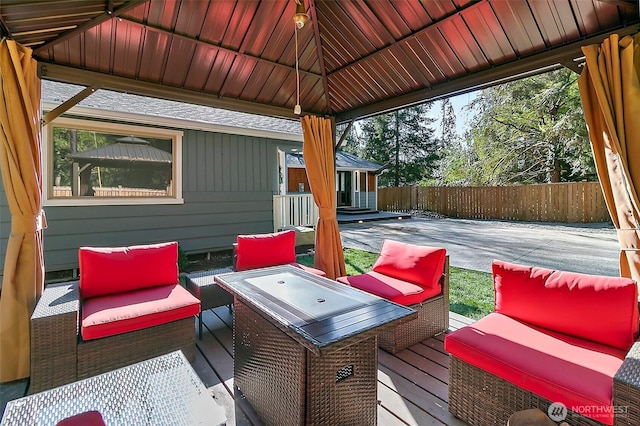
point(57, 93)
point(344, 160)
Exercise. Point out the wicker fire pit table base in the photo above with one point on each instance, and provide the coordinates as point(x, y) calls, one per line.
point(284, 381)
point(305, 347)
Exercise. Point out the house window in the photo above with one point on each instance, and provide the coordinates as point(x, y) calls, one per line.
point(104, 163)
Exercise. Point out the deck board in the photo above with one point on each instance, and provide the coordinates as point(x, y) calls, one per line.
point(412, 385)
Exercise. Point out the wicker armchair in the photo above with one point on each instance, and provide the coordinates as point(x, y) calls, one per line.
point(61, 353)
point(414, 276)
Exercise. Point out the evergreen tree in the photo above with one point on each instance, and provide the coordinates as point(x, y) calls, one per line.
point(453, 155)
point(404, 142)
point(529, 131)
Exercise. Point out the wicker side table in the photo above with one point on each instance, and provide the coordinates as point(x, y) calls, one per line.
point(203, 286)
point(54, 337)
point(626, 389)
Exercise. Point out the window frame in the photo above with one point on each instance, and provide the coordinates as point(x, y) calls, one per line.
point(110, 128)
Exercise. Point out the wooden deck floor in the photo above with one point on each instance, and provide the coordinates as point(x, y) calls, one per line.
point(412, 385)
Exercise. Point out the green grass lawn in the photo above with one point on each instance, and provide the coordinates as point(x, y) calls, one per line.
point(470, 292)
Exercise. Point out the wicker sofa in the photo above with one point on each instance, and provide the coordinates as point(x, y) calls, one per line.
point(128, 306)
point(554, 337)
point(414, 276)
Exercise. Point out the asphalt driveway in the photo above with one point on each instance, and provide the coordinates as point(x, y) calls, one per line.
point(473, 244)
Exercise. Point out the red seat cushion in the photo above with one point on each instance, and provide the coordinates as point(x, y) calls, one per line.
point(561, 368)
point(418, 265)
point(598, 308)
point(111, 270)
point(134, 310)
point(262, 250)
point(398, 291)
point(309, 269)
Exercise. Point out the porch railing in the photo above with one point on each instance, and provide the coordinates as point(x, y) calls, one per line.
point(294, 210)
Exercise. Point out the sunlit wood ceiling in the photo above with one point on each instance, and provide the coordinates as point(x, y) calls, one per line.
point(357, 58)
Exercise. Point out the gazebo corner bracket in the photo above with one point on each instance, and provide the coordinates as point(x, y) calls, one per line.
point(68, 104)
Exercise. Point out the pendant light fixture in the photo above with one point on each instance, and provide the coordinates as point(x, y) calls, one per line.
point(299, 19)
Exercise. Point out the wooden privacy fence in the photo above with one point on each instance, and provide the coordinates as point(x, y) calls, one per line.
point(578, 202)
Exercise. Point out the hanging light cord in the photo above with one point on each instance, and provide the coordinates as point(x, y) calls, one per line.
point(297, 71)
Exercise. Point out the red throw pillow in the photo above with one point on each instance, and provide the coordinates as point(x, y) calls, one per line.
point(88, 418)
point(419, 265)
point(262, 250)
point(110, 270)
point(593, 307)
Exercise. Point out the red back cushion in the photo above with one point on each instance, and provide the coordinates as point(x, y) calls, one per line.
point(109, 270)
point(262, 250)
point(592, 307)
point(416, 264)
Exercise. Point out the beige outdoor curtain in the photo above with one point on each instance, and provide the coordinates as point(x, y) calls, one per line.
point(319, 160)
point(610, 92)
point(23, 278)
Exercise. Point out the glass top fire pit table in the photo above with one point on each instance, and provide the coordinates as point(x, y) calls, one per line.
point(306, 347)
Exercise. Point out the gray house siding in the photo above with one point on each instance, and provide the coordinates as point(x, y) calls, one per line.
point(228, 186)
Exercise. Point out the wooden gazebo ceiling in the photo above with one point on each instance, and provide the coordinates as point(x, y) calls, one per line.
point(357, 58)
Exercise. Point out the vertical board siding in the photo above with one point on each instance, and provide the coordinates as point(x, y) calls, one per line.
point(228, 186)
point(575, 202)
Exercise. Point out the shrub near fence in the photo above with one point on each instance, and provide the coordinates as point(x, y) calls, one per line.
point(577, 202)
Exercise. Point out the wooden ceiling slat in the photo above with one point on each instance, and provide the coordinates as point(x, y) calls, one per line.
point(413, 67)
point(314, 94)
point(261, 29)
point(549, 20)
point(191, 18)
point(127, 48)
point(413, 14)
point(344, 36)
point(200, 68)
point(256, 82)
point(181, 53)
point(361, 14)
point(239, 23)
point(269, 91)
point(489, 34)
point(151, 65)
point(390, 18)
point(163, 14)
point(463, 44)
point(219, 72)
point(519, 26)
